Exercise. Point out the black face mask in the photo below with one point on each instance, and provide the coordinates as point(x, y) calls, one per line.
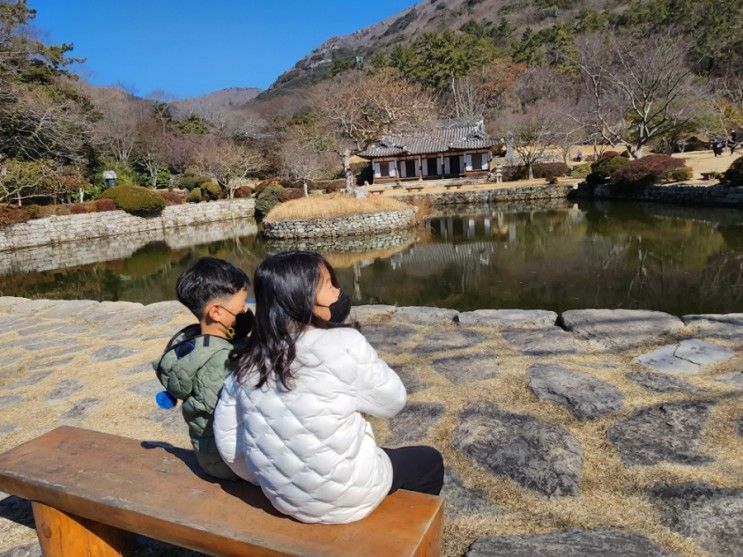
point(244, 323)
point(340, 309)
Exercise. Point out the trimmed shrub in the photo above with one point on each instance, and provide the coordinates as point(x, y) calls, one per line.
point(681, 174)
point(644, 172)
point(243, 192)
point(191, 181)
point(261, 186)
point(10, 214)
point(287, 194)
point(733, 176)
point(136, 200)
point(608, 154)
point(78, 209)
point(580, 171)
point(266, 200)
point(335, 186)
point(603, 169)
point(211, 189)
point(550, 169)
point(103, 205)
point(194, 196)
point(539, 169)
point(171, 197)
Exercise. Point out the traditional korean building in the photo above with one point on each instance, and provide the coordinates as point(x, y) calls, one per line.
point(452, 148)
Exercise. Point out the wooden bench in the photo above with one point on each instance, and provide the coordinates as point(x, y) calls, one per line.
point(90, 491)
point(450, 186)
point(413, 188)
point(376, 191)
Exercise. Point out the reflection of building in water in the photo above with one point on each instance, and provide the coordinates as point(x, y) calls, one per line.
point(429, 259)
point(468, 228)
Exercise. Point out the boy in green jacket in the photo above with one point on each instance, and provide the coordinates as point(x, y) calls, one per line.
point(196, 360)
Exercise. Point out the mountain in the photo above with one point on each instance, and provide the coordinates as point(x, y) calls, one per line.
point(215, 102)
point(427, 15)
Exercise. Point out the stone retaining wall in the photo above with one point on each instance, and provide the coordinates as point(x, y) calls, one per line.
point(73, 228)
point(498, 194)
point(92, 250)
point(691, 194)
point(351, 225)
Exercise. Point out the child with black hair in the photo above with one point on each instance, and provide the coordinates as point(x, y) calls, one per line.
point(195, 362)
point(290, 418)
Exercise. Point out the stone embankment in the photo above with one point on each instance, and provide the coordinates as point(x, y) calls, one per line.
point(496, 194)
point(112, 224)
point(347, 225)
point(595, 432)
point(92, 250)
point(717, 195)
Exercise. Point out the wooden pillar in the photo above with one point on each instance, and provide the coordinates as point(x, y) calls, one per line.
point(64, 535)
point(420, 167)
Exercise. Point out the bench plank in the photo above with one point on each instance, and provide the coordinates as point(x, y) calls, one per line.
point(152, 489)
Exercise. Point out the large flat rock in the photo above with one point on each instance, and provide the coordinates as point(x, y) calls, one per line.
point(722, 326)
point(668, 432)
point(583, 395)
point(660, 382)
point(372, 312)
point(412, 424)
point(467, 368)
point(386, 337)
point(541, 342)
point(619, 329)
point(448, 338)
point(712, 516)
point(687, 356)
point(509, 318)
point(578, 542)
point(537, 455)
point(421, 315)
point(734, 379)
point(462, 501)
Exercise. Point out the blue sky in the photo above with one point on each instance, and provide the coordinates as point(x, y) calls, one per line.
point(192, 47)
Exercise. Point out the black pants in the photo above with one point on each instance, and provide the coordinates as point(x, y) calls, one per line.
point(418, 469)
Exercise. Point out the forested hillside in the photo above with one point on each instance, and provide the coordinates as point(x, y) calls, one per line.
point(634, 76)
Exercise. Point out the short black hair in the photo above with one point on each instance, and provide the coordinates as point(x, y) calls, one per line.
point(206, 279)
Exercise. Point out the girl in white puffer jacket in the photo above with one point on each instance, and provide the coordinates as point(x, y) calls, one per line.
point(290, 418)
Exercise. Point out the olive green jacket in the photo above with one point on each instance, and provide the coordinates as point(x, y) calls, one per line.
point(193, 369)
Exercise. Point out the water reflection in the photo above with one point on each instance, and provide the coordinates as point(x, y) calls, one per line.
point(557, 256)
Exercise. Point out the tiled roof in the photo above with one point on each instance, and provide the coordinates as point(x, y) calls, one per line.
point(447, 135)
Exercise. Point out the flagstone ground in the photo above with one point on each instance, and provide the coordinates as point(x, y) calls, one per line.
point(558, 435)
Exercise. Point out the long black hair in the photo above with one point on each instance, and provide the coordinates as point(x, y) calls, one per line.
point(285, 288)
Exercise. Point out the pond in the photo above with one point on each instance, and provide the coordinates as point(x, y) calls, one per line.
point(554, 256)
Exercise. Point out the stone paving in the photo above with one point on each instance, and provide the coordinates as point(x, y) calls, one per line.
point(595, 432)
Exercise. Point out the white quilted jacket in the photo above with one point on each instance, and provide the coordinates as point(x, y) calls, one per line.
point(309, 448)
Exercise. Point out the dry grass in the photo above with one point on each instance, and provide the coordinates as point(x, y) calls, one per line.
point(332, 206)
point(612, 494)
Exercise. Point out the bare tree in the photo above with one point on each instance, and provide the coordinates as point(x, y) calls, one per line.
point(122, 114)
point(636, 88)
point(359, 109)
point(224, 160)
point(305, 156)
point(485, 90)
